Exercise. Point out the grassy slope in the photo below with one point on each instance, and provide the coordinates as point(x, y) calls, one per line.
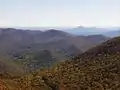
point(8, 66)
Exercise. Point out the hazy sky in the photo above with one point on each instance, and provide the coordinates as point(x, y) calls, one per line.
point(49, 13)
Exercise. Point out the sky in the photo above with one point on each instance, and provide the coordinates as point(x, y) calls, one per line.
point(59, 13)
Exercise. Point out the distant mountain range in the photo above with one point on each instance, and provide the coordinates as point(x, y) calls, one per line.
point(112, 33)
point(81, 30)
point(109, 32)
point(24, 46)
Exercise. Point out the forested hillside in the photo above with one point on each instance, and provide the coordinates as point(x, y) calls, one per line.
point(96, 69)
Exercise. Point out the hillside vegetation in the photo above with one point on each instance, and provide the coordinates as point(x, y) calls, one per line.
point(97, 69)
point(28, 50)
point(27, 62)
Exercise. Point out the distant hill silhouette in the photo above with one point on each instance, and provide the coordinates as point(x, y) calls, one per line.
point(109, 32)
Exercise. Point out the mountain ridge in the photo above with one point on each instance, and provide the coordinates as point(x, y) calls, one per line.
point(20, 46)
